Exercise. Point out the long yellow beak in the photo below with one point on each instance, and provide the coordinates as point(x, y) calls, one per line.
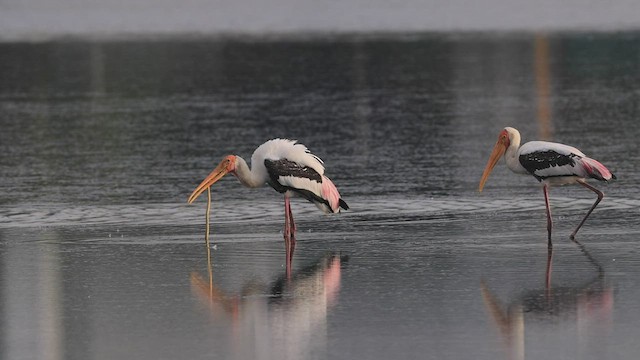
point(498, 150)
point(218, 173)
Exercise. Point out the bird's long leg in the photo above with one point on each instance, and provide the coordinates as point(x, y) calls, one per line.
point(292, 231)
point(289, 240)
point(286, 231)
point(293, 226)
point(600, 196)
point(545, 189)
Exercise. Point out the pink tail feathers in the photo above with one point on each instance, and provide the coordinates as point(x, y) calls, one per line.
point(331, 194)
point(596, 170)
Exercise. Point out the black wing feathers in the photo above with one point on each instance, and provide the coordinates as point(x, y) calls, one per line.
point(540, 160)
point(343, 205)
point(284, 167)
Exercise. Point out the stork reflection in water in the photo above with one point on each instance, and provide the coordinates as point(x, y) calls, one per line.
point(589, 303)
point(283, 320)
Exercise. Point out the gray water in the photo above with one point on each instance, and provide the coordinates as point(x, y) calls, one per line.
point(102, 143)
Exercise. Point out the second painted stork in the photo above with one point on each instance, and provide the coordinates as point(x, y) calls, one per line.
point(289, 168)
point(551, 164)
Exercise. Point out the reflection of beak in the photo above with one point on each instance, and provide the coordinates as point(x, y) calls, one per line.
point(510, 323)
point(498, 150)
point(212, 295)
point(218, 173)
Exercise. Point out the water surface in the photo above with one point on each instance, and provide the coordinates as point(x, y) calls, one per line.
point(102, 143)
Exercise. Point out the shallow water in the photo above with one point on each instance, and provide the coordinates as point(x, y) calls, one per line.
point(103, 142)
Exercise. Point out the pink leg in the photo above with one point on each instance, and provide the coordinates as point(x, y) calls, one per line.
point(545, 189)
point(600, 196)
point(289, 237)
point(292, 224)
point(292, 230)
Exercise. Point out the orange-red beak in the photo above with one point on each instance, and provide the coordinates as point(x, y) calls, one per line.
point(218, 173)
point(498, 150)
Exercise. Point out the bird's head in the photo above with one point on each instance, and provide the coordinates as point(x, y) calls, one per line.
point(504, 140)
point(226, 166)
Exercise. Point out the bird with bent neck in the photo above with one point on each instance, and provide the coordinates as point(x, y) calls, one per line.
point(289, 168)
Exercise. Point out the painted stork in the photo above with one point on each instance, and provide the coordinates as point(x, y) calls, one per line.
point(550, 163)
point(288, 167)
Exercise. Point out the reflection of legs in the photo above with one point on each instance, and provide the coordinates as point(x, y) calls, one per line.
point(600, 196)
point(548, 273)
point(589, 257)
point(545, 189)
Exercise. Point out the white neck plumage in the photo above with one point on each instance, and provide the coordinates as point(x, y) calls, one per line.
point(511, 155)
point(248, 177)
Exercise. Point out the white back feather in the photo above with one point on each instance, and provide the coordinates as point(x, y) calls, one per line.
point(533, 146)
point(278, 149)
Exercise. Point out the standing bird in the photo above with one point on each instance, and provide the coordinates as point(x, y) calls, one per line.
point(290, 169)
point(550, 163)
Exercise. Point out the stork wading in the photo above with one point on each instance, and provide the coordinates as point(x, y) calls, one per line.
point(291, 169)
point(551, 163)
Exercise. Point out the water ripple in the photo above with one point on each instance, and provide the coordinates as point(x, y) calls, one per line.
point(268, 212)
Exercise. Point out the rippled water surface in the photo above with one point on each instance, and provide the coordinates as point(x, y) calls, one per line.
point(102, 143)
